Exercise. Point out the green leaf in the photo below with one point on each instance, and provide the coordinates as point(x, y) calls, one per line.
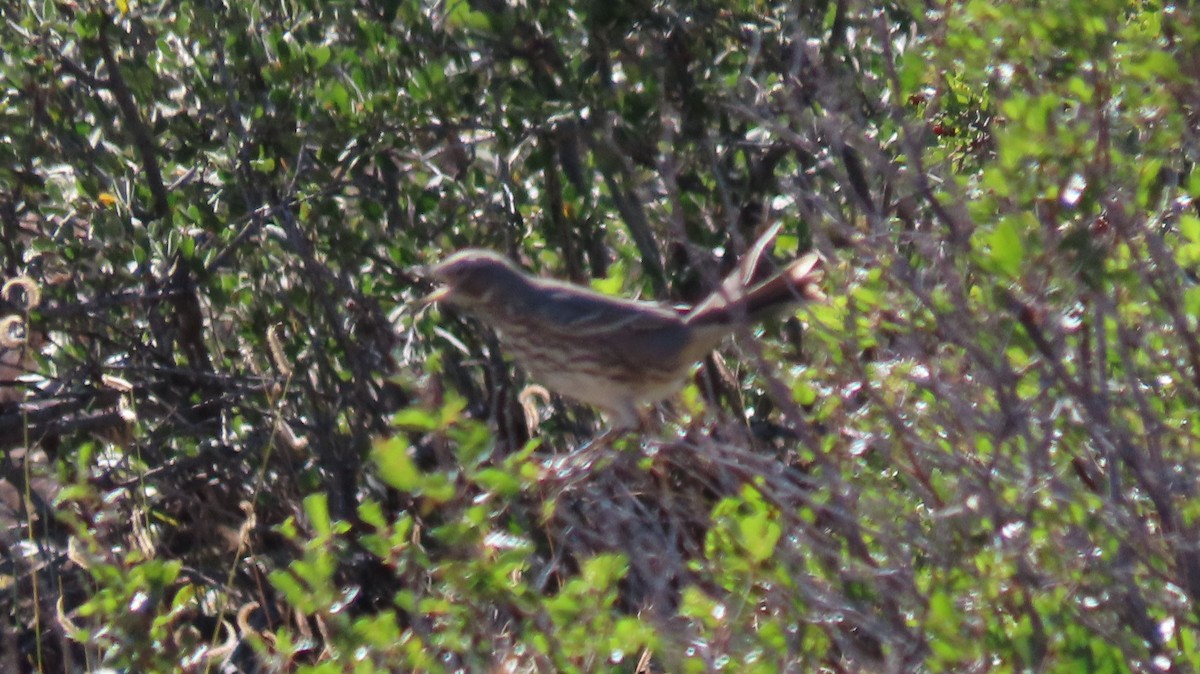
point(1003, 248)
point(913, 65)
point(416, 419)
point(396, 467)
point(603, 571)
point(460, 15)
point(804, 394)
point(498, 481)
point(1189, 227)
point(436, 487)
point(371, 513)
point(317, 509)
point(613, 283)
point(320, 54)
point(759, 532)
point(263, 164)
point(337, 96)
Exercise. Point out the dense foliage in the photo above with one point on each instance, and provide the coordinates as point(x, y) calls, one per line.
point(235, 441)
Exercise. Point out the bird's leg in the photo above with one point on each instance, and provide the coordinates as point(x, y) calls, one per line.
point(622, 421)
point(625, 422)
point(614, 432)
point(572, 466)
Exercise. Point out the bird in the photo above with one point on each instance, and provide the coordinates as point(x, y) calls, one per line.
point(613, 353)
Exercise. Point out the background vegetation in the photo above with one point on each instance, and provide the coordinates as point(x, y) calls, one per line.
point(233, 442)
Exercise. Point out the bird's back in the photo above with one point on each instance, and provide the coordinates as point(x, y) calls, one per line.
point(609, 352)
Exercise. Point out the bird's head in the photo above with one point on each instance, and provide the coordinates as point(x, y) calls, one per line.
point(471, 278)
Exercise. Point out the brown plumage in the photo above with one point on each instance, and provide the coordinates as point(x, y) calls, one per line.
point(616, 354)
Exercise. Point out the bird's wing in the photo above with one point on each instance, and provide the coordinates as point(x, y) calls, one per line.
point(583, 311)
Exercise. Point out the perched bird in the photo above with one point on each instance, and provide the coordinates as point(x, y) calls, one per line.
point(612, 353)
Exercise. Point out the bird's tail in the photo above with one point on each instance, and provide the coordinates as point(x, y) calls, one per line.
point(744, 297)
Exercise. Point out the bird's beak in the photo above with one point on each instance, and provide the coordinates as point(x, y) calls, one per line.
point(438, 295)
